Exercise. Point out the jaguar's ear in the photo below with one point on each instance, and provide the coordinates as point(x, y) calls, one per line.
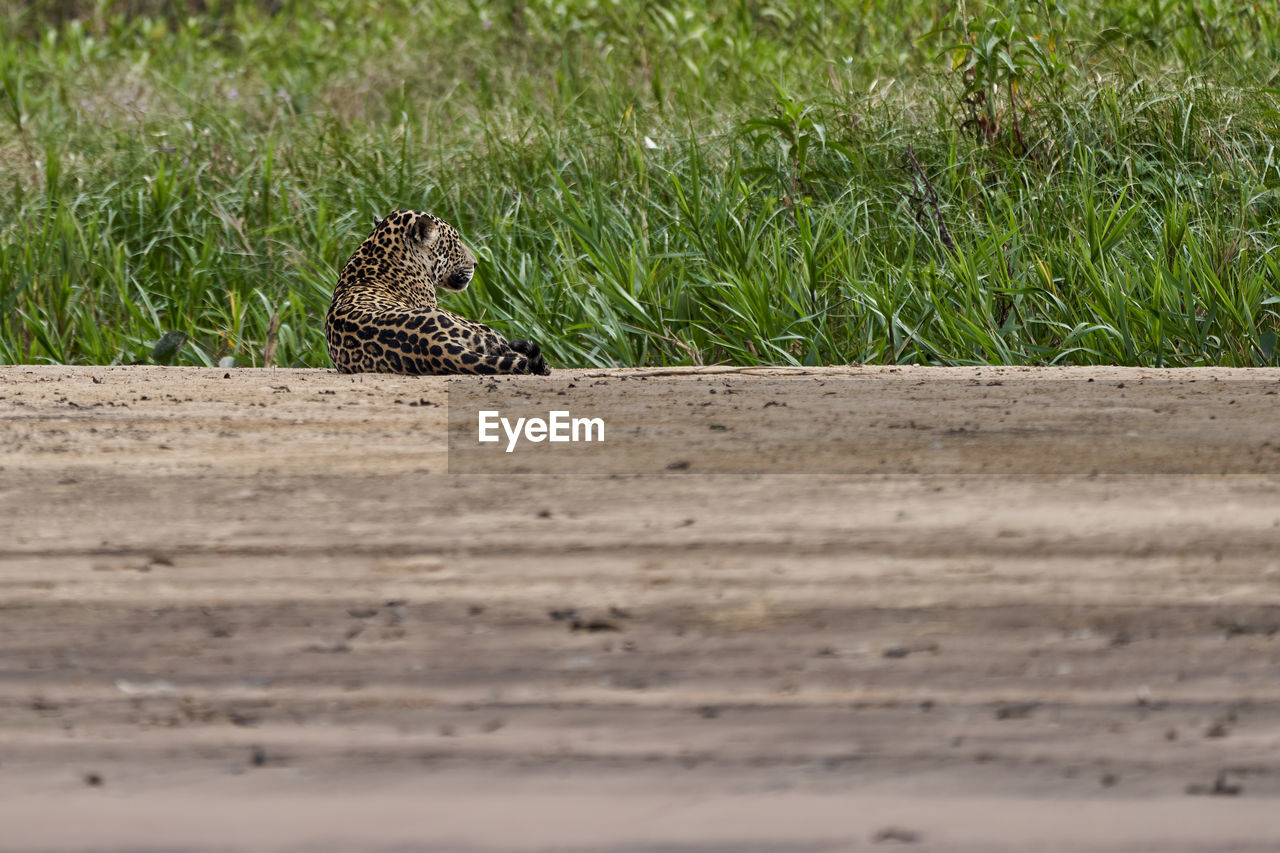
point(376, 222)
point(425, 228)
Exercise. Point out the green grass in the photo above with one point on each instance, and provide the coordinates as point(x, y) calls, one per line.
point(652, 182)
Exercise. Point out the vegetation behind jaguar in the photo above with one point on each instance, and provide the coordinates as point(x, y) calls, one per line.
point(651, 183)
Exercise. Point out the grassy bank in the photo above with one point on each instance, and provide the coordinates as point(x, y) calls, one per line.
point(652, 183)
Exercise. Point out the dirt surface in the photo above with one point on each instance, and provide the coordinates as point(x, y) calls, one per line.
point(251, 611)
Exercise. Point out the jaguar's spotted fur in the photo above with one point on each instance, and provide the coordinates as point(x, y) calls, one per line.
point(384, 317)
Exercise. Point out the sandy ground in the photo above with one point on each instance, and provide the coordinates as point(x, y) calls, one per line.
point(964, 609)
